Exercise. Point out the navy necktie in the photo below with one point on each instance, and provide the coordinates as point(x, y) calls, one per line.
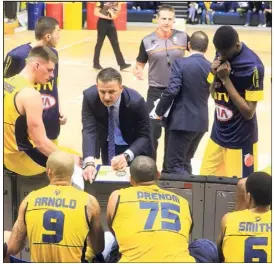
point(111, 135)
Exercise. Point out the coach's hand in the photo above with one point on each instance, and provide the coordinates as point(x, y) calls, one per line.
point(215, 64)
point(119, 162)
point(223, 71)
point(89, 173)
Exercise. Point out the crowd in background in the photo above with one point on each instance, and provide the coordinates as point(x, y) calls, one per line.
point(203, 12)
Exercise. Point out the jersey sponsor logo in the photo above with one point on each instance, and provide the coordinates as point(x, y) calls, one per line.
point(48, 86)
point(248, 160)
point(221, 97)
point(48, 101)
point(223, 113)
point(8, 87)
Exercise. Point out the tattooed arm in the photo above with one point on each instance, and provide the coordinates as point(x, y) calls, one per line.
point(96, 234)
point(19, 231)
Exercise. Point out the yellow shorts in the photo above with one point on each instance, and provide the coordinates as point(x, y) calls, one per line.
point(220, 161)
point(29, 164)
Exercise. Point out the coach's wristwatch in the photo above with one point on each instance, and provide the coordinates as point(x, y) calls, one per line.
point(127, 157)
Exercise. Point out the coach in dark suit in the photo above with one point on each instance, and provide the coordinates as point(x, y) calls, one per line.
point(115, 123)
point(188, 119)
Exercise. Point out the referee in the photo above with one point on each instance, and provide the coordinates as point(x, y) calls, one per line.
point(107, 12)
point(160, 49)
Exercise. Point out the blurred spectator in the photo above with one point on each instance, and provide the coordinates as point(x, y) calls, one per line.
point(217, 6)
point(193, 7)
point(267, 14)
point(242, 8)
point(207, 13)
point(255, 7)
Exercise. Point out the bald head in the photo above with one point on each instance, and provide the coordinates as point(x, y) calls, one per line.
point(199, 41)
point(143, 169)
point(60, 165)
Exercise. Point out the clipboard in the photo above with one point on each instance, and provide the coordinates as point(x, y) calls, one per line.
point(107, 174)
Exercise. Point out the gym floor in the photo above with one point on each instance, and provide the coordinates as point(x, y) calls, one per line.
point(76, 73)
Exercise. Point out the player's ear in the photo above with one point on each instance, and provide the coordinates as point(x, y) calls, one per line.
point(188, 45)
point(133, 183)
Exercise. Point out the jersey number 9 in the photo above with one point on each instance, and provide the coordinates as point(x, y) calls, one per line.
point(259, 255)
point(53, 221)
point(166, 213)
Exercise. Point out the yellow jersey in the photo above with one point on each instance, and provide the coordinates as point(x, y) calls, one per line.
point(247, 237)
point(57, 224)
point(152, 225)
point(15, 125)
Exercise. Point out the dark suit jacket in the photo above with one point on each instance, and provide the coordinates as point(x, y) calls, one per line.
point(189, 89)
point(133, 119)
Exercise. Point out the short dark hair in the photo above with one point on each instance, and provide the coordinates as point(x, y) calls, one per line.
point(44, 53)
point(44, 25)
point(109, 74)
point(166, 8)
point(226, 37)
point(259, 185)
point(143, 169)
point(199, 41)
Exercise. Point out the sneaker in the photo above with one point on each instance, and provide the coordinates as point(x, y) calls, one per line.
point(259, 25)
point(246, 25)
point(125, 66)
point(98, 67)
point(264, 25)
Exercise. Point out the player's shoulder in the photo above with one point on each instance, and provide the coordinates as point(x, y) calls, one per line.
point(21, 51)
point(177, 32)
point(249, 58)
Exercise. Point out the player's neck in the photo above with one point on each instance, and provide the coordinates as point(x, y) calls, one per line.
point(164, 34)
point(60, 182)
point(146, 183)
point(39, 43)
point(26, 73)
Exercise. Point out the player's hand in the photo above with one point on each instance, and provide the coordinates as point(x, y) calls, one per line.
point(223, 71)
point(119, 162)
point(62, 119)
point(215, 64)
point(89, 173)
point(138, 72)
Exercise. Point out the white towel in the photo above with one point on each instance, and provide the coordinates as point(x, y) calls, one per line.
point(153, 115)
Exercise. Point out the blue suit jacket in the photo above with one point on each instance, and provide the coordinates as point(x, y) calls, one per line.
point(133, 119)
point(189, 89)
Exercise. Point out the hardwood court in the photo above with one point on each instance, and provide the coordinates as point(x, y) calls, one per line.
point(76, 51)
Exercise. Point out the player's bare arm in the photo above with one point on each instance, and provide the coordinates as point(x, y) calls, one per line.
point(111, 208)
point(29, 103)
point(221, 236)
point(96, 234)
point(247, 109)
point(18, 236)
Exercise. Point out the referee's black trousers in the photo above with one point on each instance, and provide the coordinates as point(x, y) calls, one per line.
point(181, 147)
point(107, 28)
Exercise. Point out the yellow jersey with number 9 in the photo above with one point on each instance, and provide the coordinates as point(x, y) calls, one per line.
point(152, 225)
point(247, 237)
point(57, 224)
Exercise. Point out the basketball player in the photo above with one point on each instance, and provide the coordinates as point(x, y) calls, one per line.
point(46, 34)
point(26, 145)
point(236, 89)
point(58, 219)
point(106, 13)
point(151, 224)
point(246, 235)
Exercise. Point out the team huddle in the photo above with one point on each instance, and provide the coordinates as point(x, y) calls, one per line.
point(147, 223)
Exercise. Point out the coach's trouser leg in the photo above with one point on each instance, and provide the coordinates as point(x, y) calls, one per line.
point(155, 125)
point(204, 251)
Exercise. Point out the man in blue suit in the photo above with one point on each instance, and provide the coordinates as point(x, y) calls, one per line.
point(115, 122)
point(188, 118)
